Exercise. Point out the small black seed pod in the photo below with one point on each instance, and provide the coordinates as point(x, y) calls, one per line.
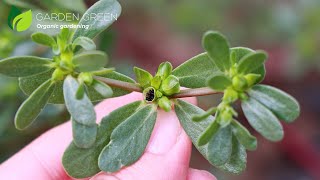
point(149, 94)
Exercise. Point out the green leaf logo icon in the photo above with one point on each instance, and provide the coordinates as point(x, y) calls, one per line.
point(19, 21)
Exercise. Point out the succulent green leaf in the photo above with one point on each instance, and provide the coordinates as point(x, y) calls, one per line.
point(156, 82)
point(143, 77)
point(97, 25)
point(84, 136)
point(251, 62)
point(220, 146)
point(29, 84)
point(85, 42)
point(128, 140)
point(185, 111)
point(209, 133)
point(217, 48)
point(165, 103)
point(80, 91)
point(239, 52)
point(43, 39)
point(81, 110)
point(262, 120)
point(23, 21)
point(22, 66)
point(194, 72)
point(90, 61)
point(238, 159)
point(164, 69)
point(244, 136)
point(219, 82)
point(102, 88)
point(30, 108)
point(284, 106)
point(209, 112)
point(170, 85)
point(83, 163)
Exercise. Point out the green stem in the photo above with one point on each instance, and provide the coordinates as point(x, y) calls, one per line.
point(135, 87)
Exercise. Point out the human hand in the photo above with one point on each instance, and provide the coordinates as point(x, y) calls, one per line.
point(166, 157)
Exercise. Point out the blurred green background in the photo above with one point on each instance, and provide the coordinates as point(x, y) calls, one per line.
point(149, 32)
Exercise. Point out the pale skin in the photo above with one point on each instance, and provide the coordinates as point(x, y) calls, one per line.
point(166, 157)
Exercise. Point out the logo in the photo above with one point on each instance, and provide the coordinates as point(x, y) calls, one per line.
point(19, 21)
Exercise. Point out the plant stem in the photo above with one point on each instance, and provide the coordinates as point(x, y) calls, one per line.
point(195, 92)
point(120, 84)
point(135, 87)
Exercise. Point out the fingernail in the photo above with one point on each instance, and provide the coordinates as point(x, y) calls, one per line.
point(165, 133)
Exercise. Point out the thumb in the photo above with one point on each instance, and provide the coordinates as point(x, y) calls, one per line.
point(166, 156)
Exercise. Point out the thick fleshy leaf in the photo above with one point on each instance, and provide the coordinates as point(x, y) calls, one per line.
point(262, 120)
point(209, 133)
point(244, 136)
point(251, 62)
point(90, 61)
point(128, 140)
point(30, 108)
point(237, 53)
point(220, 146)
point(102, 88)
point(97, 25)
point(81, 110)
point(29, 84)
point(143, 77)
point(194, 72)
point(217, 48)
point(84, 136)
point(85, 42)
point(43, 39)
point(238, 159)
point(219, 82)
point(185, 111)
point(24, 66)
point(284, 106)
point(82, 163)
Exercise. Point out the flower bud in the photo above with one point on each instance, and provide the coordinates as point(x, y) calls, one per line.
point(225, 118)
point(239, 83)
point(86, 78)
point(164, 69)
point(230, 95)
point(149, 94)
point(57, 75)
point(252, 79)
point(170, 85)
point(164, 103)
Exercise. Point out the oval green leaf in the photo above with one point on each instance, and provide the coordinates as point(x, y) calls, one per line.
point(85, 42)
point(83, 163)
point(194, 72)
point(237, 53)
point(83, 136)
point(244, 136)
point(143, 77)
point(251, 62)
point(209, 133)
point(185, 111)
point(219, 82)
point(30, 108)
point(81, 110)
point(220, 146)
point(262, 120)
point(128, 140)
point(97, 25)
point(43, 39)
point(284, 106)
point(102, 88)
point(90, 61)
point(217, 48)
point(24, 66)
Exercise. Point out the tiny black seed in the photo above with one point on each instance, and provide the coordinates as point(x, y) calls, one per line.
point(150, 95)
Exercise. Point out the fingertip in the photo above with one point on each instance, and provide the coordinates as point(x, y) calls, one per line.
point(195, 174)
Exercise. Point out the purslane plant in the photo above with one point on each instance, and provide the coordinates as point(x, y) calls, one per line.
point(76, 76)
